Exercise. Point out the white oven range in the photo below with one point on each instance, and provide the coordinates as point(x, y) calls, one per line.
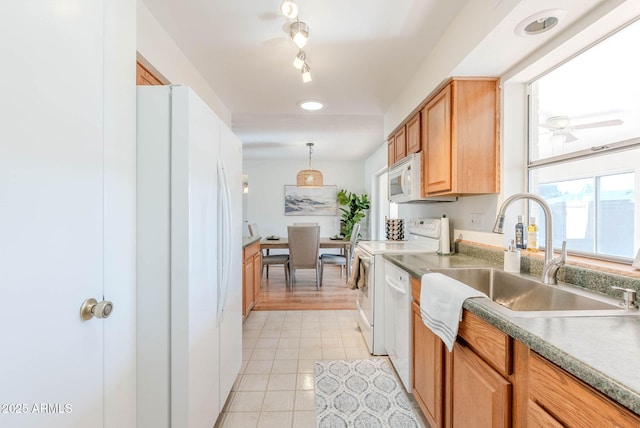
point(425, 235)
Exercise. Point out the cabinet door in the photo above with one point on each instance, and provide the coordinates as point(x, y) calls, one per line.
point(413, 134)
point(436, 141)
point(428, 369)
point(257, 274)
point(248, 292)
point(391, 151)
point(572, 402)
point(480, 397)
point(537, 417)
point(400, 144)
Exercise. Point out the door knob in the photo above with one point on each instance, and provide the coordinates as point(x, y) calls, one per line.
point(91, 308)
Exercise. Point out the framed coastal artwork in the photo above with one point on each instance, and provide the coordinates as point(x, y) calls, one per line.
point(310, 200)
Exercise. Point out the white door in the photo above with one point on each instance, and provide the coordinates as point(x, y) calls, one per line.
point(53, 212)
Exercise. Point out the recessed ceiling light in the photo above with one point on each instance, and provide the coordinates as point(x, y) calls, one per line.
point(310, 105)
point(540, 22)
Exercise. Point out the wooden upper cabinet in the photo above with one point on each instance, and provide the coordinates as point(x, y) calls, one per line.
point(400, 144)
point(412, 128)
point(436, 138)
point(391, 151)
point(145, 77)
point(460, 139)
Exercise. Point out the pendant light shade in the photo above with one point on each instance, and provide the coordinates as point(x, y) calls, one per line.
point(309, 177)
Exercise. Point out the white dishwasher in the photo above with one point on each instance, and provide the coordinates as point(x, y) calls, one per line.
point(397, 308)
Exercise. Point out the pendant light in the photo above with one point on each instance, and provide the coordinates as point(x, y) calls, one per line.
point(309, 177)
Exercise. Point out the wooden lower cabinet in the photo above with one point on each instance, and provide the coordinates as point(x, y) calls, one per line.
point(492, 380)
point(557, 397)
point(480, 396)
point(252, 266)
point(428, 370)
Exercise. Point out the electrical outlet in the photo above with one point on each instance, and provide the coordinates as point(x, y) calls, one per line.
point(477, 221)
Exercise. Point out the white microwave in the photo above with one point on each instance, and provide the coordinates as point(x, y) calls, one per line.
point(405, 181)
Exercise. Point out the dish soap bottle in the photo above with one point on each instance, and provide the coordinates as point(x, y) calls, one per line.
point(520, 234)
point(532, 235)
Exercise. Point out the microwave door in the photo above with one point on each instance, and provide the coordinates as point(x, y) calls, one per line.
point(395, 185)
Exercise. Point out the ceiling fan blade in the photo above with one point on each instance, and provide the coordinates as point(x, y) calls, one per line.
point(546, 125)
point(599, 124)
point(569, 137)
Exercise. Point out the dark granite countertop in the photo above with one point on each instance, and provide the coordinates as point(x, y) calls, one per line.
point(601, 351)
point(248, 240)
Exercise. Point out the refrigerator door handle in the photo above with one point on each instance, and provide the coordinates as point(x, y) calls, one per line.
point(224, 259)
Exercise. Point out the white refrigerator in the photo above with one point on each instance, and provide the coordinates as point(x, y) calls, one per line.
point(189, 259)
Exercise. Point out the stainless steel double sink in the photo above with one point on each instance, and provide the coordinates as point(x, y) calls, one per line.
point(523, 296)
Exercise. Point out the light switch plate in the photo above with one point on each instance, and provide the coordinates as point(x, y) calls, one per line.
point(636, 262)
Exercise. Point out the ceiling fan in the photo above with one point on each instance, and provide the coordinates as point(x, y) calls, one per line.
point(561, 125)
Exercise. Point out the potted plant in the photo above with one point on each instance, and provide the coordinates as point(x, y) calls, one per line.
point(353, 210)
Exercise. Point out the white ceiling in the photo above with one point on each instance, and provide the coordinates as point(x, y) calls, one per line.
point(362, 53)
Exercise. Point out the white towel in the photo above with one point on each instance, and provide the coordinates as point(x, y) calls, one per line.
point(441, 300)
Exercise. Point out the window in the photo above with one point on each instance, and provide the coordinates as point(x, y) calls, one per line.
point(584, 148)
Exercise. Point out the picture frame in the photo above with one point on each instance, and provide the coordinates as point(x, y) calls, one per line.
point(310, 201)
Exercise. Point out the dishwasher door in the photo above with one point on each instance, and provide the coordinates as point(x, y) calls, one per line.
point(397, 338)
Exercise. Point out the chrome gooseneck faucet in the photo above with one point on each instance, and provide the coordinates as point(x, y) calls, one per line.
point(551, 265)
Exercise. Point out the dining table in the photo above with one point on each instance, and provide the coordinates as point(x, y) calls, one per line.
point(282, 243)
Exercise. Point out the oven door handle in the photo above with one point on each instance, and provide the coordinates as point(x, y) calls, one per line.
point(390, 282)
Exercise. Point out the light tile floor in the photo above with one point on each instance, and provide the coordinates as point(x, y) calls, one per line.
point(275, 387)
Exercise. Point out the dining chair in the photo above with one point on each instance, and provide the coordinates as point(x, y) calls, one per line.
point(339, 259)
point(271, 259)
point(304, 247)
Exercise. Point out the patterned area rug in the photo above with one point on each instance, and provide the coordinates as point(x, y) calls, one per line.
point(362, 394)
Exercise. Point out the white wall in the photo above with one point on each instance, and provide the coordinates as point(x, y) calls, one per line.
point(265, 200)
point(159, 50)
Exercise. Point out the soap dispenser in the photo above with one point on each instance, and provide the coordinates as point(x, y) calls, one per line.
point(512, 259)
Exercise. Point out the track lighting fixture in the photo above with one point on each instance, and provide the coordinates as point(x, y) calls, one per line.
point(299, 32)
point(298, 62)
point(306, 73)
point(289, 8)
